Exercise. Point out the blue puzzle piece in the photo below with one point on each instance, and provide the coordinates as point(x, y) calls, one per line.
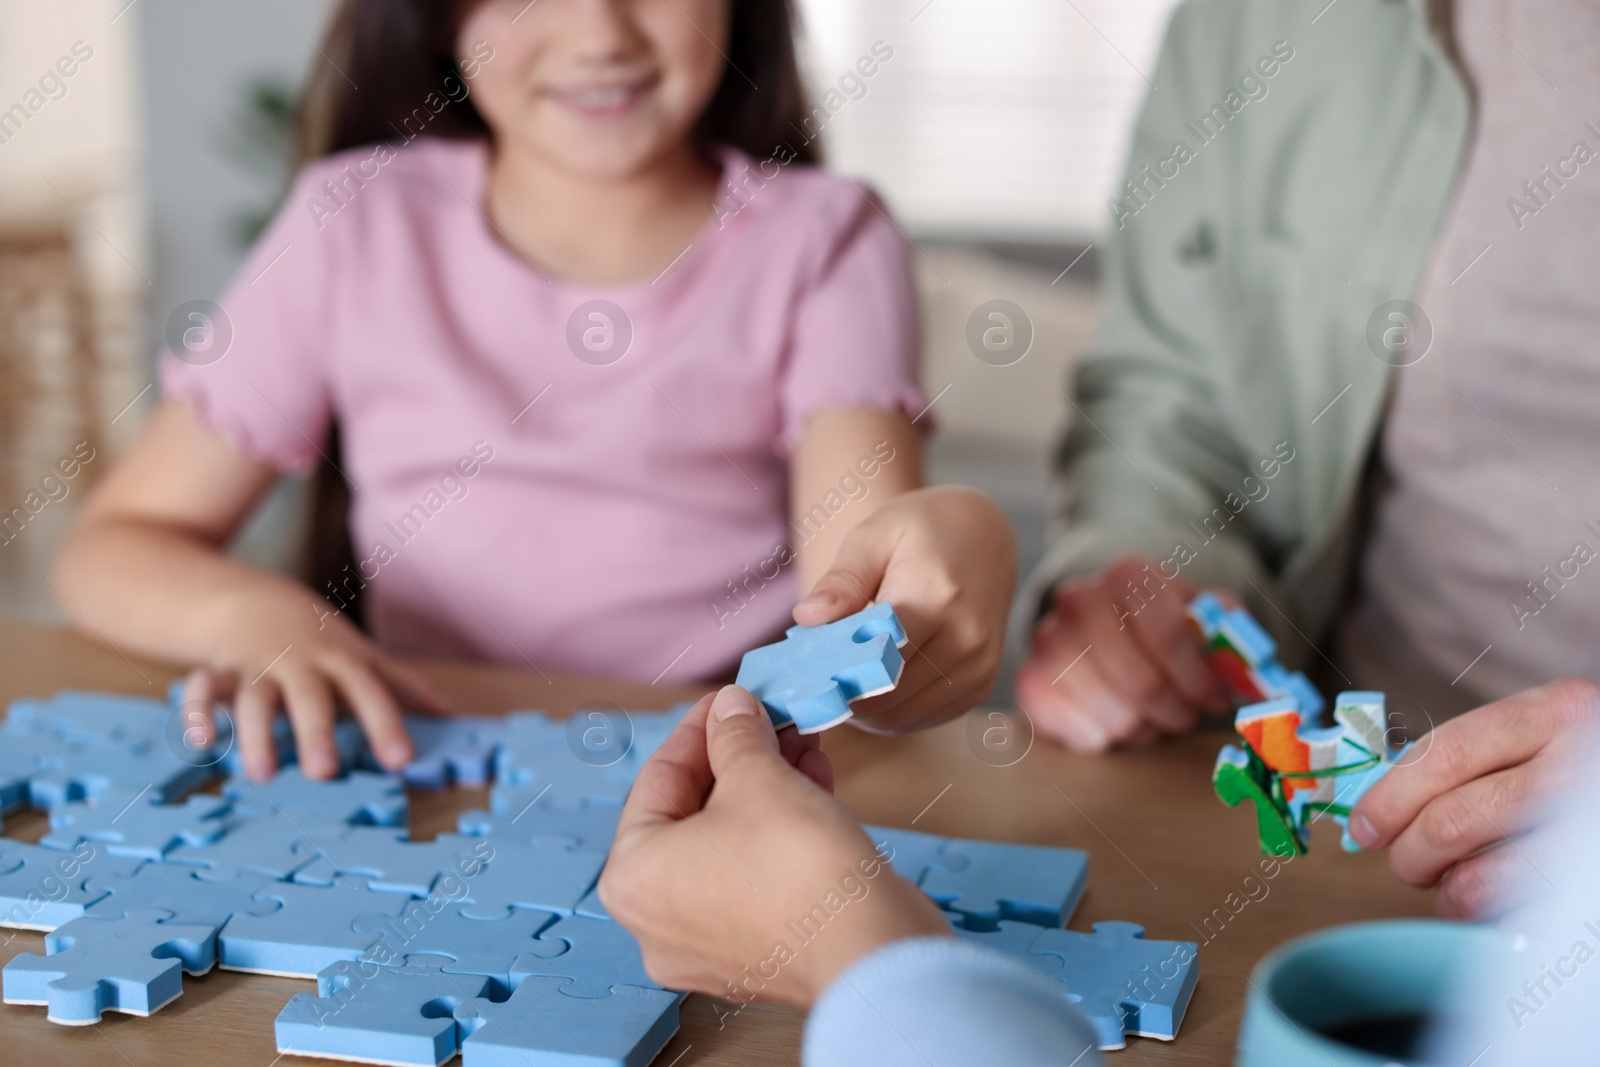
point(309, 932)
point(989, 881)
point(181, 891)
point(536, 752)
point(592, 954)
point(1363, 715)
point(1121, 983)
point(391, 1015)
point(909, 852)
point(590, 906)
point(458, 945)
point(21, 757)
point(77, 716)
point(129, 964)
point(537, 875)
point(41, 888)
point(359, 797)
point(450, 749)
point(542, 1026)
point(521, 815)
point(382, 857)
point(811, 676)
point(96, 768)
point(128, 824)
point(255, 844)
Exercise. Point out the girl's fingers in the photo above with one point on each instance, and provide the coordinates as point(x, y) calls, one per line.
point(254, 708)
point(308, 698)
point(375, 708)
point(202, 688)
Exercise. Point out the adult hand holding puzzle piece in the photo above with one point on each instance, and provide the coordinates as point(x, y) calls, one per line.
point(729, 837)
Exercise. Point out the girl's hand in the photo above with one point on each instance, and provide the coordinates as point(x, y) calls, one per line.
point(740, 874)
point(1467, 787)
point(1105, 671)
point(286, 647)
point(945, 559)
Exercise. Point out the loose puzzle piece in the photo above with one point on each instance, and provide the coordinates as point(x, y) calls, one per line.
point(41, 888)
point(592, 954)
point(536, 875)
point(988, 881)
point(1245, 657)
point(1120, 982)
point(256, 844)
point(382, 857)
point(449, 749)
point(128, 824)
point(181, 891)
point(359, 797)
point(543, 1026)
point(459, 945)
point(519, 814)
point(1296, 773)
point(129, 964)
point(389, 1015)
point(811, 676)
point(311, 930)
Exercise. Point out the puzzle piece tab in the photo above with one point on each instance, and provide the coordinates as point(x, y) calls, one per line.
point(359, 797)
point(41, 888)
point(248, 843)
point(811, 677)
point(543, 1026)
point(456, 944)
point(450, 749)
point(382, 857)
point(311, 930)
point(129, 964)
point(592, 954)
point(1245, 657)
point(191, 899)
point(540, 875)
point(519, 814)
point(391, 1015)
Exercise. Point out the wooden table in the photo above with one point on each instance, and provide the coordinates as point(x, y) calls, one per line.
point(1164, 853)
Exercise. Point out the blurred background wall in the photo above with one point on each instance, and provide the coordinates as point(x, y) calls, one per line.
point(994, 131)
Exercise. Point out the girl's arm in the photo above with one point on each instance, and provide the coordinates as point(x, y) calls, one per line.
point(943, 557)
point(144, 567)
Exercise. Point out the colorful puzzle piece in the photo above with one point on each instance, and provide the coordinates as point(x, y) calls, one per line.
point(544, 1026)
point(359, 797)
point(130, 824)
point(1245, 657)
point(129, 964)
point(812, 675)
point(1122, 983)
point(311, 930)
point(390, 1015)
point(986, 882)
point(1296, 773)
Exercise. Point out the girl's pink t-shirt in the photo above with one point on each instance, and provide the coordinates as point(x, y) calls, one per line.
point(581, 479)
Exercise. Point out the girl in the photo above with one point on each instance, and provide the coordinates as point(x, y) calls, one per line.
point(616, 374)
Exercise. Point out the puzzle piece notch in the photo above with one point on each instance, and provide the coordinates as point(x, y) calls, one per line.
point(311, 930)
point(811, 677)
point(93, 769)
point(541, 875)
point(536, 753)
point(910, 852)
point(130, 964)
point(42, 888)
point(381, 857)
point(450, 749)
point(130, 824)
point(180, 890)
point(488, 948)
point(541, 1025)
point(592, 954)
point(249, 843)
point(1120, 982)
point(521, 815)
point(359, 797)
point(402, 1015)
point(987, 882)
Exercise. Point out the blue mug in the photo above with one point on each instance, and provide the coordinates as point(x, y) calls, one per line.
point(1361, 995)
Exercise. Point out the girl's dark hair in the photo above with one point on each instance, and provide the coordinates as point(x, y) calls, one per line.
point(385, 57)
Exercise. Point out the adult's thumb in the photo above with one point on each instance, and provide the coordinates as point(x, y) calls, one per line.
point(737, 731)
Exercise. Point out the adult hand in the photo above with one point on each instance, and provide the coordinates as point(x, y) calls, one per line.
point(1104, 670)
point(739, 872)
point(285, 648)
point(945, 559)
point(1468, 785)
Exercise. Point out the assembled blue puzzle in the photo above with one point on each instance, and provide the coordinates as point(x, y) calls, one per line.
point(811, 677)
point(491, 942)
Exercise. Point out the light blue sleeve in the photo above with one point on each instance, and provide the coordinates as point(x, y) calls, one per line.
point(937, 1001)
